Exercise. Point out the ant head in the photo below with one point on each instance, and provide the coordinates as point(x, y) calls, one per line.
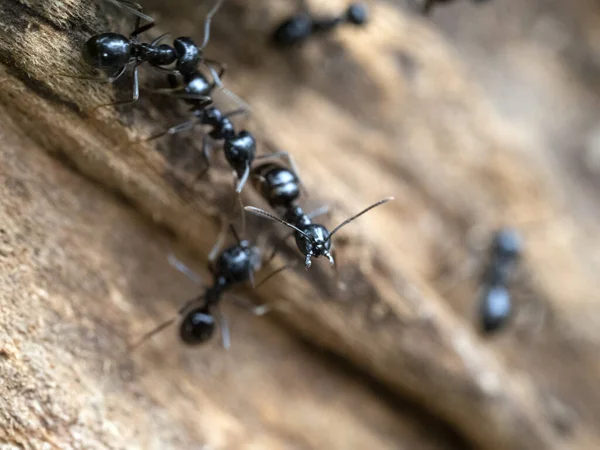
point(314, 242)
point(107, 51)
point(507, 243)
point(188, 55)
point(240, 151)
point(357, 14)
point(197, 326)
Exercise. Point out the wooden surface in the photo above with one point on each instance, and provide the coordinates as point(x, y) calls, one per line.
point(390, 110)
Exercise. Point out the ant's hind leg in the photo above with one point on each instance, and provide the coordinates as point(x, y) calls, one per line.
point(135, 96)
point(214, 253)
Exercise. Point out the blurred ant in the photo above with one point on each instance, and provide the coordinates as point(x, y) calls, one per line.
point(115, 53)
point(280, 187)
point(430, 4)
point(301, 26)
point(232, 267)
point(495, 308)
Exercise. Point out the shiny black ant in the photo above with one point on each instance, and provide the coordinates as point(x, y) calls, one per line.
point(280, 187)
point(299, 27)
point(239, 147)
point(495, 306)
point(115, 53)
point(430, 4)
point(233, 266)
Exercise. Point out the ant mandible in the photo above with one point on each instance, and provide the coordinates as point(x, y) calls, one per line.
point(113, 52)
point(299, 27)
point(495, 306)
point(233, 266)
point(280, 187)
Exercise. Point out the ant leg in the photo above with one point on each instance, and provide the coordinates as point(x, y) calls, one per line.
point(224, 326)
point(158, 39)
point(101, 79)
point(319, 212)
point(241, 302)
point(291, 162)
point(222, 67)
point(184, 126)
point(273, 273)
point(243, 180)
point(214, 253)
point(136, 93)
point(236, 112)
point(206, 153)
point(133, 8)
point(167, 323)
point(179, 92)
point(181, 267)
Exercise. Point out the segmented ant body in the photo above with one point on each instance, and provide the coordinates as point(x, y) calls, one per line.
point(301, 26)
point(280, 187)
point(232, 267)
point(114, 53)
point(495, 302)
point(430, 4)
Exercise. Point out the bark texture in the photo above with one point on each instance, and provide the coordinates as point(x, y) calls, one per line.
point(392, 109)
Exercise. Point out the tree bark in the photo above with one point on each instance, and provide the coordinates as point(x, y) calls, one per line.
point(388, 110)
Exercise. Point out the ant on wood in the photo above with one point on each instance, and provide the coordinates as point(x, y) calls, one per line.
point(301, 26)
point(114, 53)
point(280, 187)
point(233, 266)
point(495, 307)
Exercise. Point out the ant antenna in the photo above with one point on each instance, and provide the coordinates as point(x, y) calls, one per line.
point(133, 8)
point(235, 234)
point(266, 215)
point(356, 216)
point(207, 21)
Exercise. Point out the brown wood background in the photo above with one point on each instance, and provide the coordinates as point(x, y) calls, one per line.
point(477, 118)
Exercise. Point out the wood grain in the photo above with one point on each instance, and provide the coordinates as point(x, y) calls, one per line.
point(389, 110)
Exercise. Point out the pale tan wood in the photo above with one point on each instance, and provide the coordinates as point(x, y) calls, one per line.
point(386, 110)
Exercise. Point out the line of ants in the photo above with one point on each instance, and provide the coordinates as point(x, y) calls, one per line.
point(274, 175)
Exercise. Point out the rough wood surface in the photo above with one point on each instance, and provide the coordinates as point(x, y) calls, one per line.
point(389, 110)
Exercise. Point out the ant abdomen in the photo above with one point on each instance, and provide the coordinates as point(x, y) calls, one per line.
point(277, 185)
point(198, 326)
point(293, 30)
point(495, 308)
point(240, 151)
point(107, 51)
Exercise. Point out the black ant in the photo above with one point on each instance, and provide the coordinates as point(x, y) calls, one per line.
point(233, 266)
point(239, 147)
point(115, 53)
point(495, 303)
point(429, 4)
point(280, 187)
point(299, 27)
